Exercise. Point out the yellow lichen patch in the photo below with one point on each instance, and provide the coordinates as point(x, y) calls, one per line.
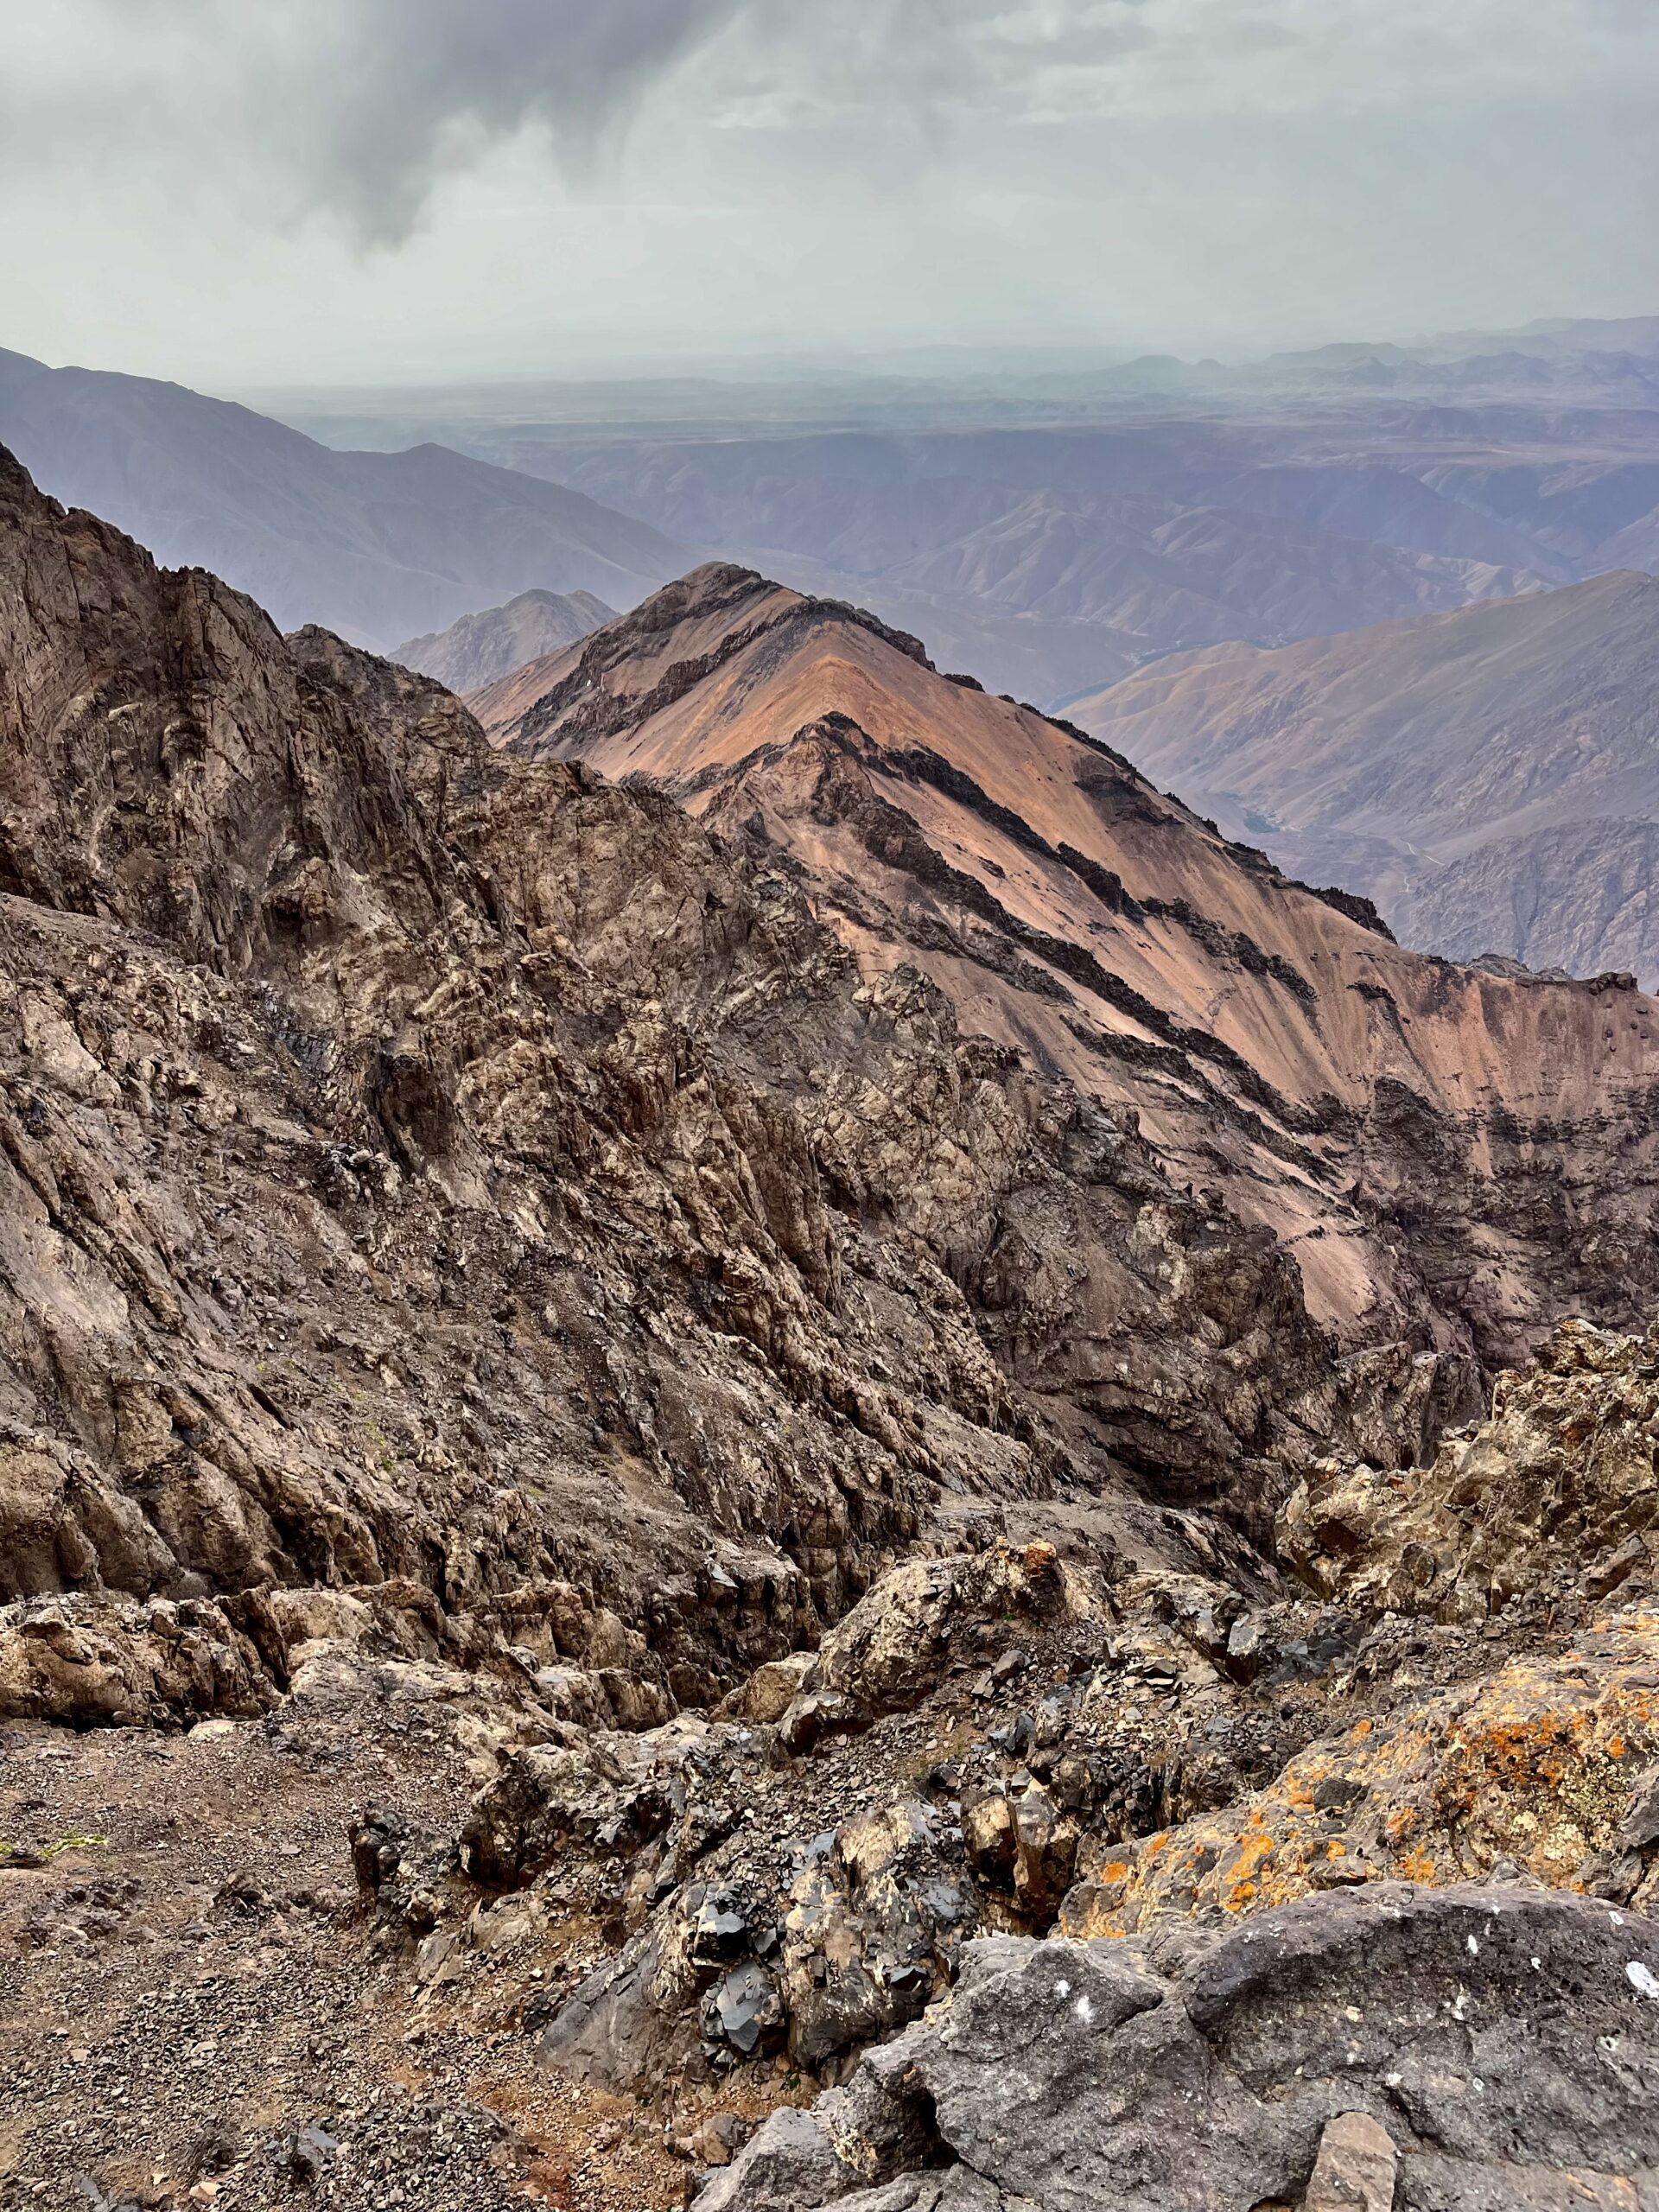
point(1537, 1765)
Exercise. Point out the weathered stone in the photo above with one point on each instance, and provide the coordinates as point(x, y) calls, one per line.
point(766, 1696)
point(1556, 1487)
point(89, 1661)
point(1538, 1764)
point(1355, 2169)
point(745, 2011)
point(1069, 2077)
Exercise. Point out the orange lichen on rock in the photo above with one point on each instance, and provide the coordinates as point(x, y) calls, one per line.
point(1522, 1767)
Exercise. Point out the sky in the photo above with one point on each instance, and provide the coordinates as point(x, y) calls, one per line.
point(243, 194)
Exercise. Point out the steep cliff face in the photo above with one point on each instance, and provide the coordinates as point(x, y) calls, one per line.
point(426, 1167)
point(1449, 1154)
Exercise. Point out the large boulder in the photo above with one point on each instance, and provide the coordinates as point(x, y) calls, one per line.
point(889, 1650)
point(1503, 2041)
point(1543, 1765)
point(602, 1795)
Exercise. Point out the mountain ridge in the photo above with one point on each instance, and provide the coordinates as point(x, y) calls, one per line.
point(482, 648)
point(376, 545)
point(553, 1317)
point(1269, 1040)
point(1436, 765)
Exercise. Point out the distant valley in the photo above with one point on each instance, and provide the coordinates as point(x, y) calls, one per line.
point(1029, 558)
point(1048, 535)
point(1051, 531)
point(1385, 612)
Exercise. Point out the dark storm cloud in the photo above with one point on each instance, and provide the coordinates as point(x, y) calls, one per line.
point(410, 88)
point(356, 106)
point(362, 107)
point(282, 188)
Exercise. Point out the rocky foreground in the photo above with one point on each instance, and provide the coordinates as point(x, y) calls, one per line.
point(629, 1561)
point(1103, 1889)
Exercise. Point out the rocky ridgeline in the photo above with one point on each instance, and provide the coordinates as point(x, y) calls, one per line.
point(464, 1187)
point(506, 1333)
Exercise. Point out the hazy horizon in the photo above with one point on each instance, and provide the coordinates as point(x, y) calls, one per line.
point(402, 193)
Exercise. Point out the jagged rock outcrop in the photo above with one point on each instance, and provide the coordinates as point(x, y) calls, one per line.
point(1007, 1739)
point(1518, 1534)
point(1538, 1771)
point(1453, 1157)
point(1502, 2042)
point(1558, 1492)
point(419, 1165)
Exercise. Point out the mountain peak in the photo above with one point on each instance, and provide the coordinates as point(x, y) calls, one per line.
point(483, 648)
point(1069, 910)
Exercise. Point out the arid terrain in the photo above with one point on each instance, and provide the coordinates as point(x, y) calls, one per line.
point(1490, 778)
point(480, 649)
point(759, 1440)
point(1409, 1128)
point(380, 545)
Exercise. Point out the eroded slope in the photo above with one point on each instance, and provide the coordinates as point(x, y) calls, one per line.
point(1487, 776)
point(429, 1168)
point(1450, 1154)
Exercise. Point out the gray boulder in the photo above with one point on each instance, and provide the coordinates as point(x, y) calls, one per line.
point(1504, 2041)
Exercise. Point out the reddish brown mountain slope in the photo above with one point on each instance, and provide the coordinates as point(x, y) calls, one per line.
point(1489, 777)
point(1448, 1153)
point(422, 1167)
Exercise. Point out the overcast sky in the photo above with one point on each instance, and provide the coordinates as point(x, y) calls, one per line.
point(256, 192)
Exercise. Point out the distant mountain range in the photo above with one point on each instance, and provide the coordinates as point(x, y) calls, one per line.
point(1301, 497)
point(377, 546)
point(1490, 778)
point(480, 648)
point(1048, 562)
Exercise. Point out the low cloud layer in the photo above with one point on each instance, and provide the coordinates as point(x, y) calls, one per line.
point(394, 187)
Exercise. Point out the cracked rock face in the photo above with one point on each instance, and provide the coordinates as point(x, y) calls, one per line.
point(1556, 1490)
point(1501, 2043)
point(1409, 1129)
point(513, 1291)
point(422, 1167)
